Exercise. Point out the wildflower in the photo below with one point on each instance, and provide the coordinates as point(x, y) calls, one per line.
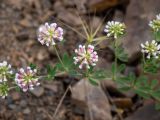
point(48, 34)
point(4, 71)
point(4, 90)
point(26, 79)
point(115, 29)
point(152, 49)
point(85, 56)
point(155, 24)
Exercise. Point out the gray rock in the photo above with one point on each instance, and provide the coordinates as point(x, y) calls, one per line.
point(27, 111)
point(91, 98)
point(146, 112)
point(12, 106)
point(138, 15)
point(23, 103)
point(38, 91)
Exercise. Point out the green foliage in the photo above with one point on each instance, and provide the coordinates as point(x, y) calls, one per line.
point(151, 65)
point(51, 72)
point(113, 67)
point(33, 66)
point(93, 81)
point(121, 67)
point(121, 55)
point(68, 65)
point(95, 76)
point(17, 89)
point(4, 88)
point(157, 36)
point(126, 82)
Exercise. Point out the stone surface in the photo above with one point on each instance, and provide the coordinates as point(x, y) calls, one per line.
point(146, 112)
point(101, 5)
point(123, 102)
point(69, 18)
point(38, 91)
point(26, 111)
point(138, 15)
point(91, 98)
point(15, 96)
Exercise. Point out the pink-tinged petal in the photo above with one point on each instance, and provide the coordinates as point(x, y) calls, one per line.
point(53, 25)
point(48, 34)
point(22, 79)
point(85, 59)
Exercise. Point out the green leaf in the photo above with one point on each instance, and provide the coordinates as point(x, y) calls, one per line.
point(68, 62)
point(151, 65)
point(33, 66)
point(121, 55)
point(51, 72)
point(121, 68)
point(17, 89)
point(141, 93)
point(154, 83)
point(157, 36)
point(93, 81)
point(125, 88)
point(141, 81)
point(59, 67)
point(156, 94)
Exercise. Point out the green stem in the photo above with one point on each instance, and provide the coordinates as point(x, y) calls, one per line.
point(59, 58)
point(144, 62)
point(87, 73)
point(115, 61)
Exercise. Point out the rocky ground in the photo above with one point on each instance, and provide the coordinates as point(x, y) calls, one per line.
point(19, 20)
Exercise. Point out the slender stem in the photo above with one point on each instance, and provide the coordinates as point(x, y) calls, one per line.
point(100, 38)
point(59, 58)
point(144, 62)
point(60, 103)
point(13, 87)
point(98, 41)
point(115, 61)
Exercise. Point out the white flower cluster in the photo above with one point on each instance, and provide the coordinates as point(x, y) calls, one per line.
point(5, 70)
point(48, 34)
point(86, 57)
point(115, 29)
point(26, 79)
point(155, 24)
point(152, 49)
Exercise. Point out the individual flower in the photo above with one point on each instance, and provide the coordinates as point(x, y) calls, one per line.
point(152, 49)
point(115, 29)
point(4, 90)
point(155, 24)
point(49, 34)
point(86, 57)
point(26, 79)
point(5, 71)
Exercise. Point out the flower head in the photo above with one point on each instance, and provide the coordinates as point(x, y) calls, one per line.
point(115, 29)
point(152, 49)
point(49, 34)
point(85, 56)
point(5, 71)
point(26, 79)
point(155, 24)
point(4, 90)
